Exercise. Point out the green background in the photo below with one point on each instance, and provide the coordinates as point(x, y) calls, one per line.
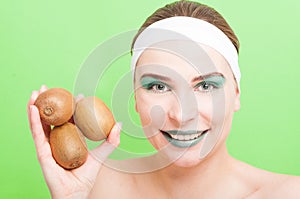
point(45, 42)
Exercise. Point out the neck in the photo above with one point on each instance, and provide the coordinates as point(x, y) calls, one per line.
point(206, 173)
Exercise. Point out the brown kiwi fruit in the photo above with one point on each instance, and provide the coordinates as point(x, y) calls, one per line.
point(56, 106)
point(68, 146)
point(93, 118)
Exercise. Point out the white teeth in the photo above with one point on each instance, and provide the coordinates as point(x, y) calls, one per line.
point(181, 137)
point(185, 137)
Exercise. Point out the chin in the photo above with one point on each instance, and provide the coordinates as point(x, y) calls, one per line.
point(183, 158)
point(176, 156)
point(186, 162)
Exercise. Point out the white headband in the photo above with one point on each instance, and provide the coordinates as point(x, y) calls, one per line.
point(193, 29)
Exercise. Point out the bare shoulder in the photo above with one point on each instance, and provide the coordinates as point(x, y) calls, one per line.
point(111, 183)
point(268, 184)
point(278, 186)
point(286, 187)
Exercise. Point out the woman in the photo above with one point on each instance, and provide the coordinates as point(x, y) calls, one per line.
point(187, 88)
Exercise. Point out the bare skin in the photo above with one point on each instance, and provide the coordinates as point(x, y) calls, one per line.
point(238, 181)
point(62, 183)
point(216, 176)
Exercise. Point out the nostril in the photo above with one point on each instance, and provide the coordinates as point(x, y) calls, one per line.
point(183, 116)
point(184, 108)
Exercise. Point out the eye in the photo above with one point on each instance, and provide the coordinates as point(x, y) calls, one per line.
point(160, 88)
point(154, 85)
point(205, 87)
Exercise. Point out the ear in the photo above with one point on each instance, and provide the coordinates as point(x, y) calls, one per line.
point(237, 102)
point(136, 108)
point(135, 104)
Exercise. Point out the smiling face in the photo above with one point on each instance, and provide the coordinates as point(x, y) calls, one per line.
point(185, 105)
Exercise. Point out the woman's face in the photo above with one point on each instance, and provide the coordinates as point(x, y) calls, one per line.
point(185, 109)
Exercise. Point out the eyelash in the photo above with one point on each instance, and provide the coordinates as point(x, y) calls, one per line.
point(211, 86)
point(199, 87)
point(153, 87)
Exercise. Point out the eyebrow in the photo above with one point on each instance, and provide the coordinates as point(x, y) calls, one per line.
point(196, 79)
point(160, 77)
point(202, 77)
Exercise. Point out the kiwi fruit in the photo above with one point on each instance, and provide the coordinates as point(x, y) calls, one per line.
point(68, 146)
point(93, 118)
point(56, 106)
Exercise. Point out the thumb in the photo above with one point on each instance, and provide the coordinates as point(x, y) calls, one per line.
point(98, 155)
point(101, 152)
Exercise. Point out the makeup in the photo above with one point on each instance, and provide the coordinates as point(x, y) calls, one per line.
point(211, 82)
point(179, 27)
point(149, 82)
point(184, 139)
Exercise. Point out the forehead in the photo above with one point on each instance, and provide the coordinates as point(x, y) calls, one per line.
point(183, 57)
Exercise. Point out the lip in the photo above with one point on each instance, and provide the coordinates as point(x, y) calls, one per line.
point(184, 139)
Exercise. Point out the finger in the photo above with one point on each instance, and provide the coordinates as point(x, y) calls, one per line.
point(47, 129)
point(31, 101)
point(43, 88)
point(33, 97)
point(98, 155)
point(42, 145)
point(114, 136)
point(101, 152)
point(79, 97)
point(50, 168)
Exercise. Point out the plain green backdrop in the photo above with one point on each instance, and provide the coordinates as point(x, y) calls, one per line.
point(45, 42)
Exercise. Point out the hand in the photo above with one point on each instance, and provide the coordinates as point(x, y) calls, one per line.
point(76, 183)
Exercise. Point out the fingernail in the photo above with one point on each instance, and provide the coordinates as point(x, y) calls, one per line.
point(43, 88)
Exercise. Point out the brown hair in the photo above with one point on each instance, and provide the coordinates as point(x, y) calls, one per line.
point(191, 9)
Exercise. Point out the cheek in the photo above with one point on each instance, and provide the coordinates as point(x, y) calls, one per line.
point(223, 103)
point(220, 112)
point(205, 108)
point(152, 110)
point(223, 109)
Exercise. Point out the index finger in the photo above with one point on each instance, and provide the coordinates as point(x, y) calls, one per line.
point(31, 101)
point(34, 96)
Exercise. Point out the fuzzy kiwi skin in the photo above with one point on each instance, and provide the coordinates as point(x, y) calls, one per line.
point(93, 118)
point(56, 106)
point(68, 146)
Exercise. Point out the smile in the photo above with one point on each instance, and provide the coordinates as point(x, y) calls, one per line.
point(184, 139)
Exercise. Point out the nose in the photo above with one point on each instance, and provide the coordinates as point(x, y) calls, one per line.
point(184, 108)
